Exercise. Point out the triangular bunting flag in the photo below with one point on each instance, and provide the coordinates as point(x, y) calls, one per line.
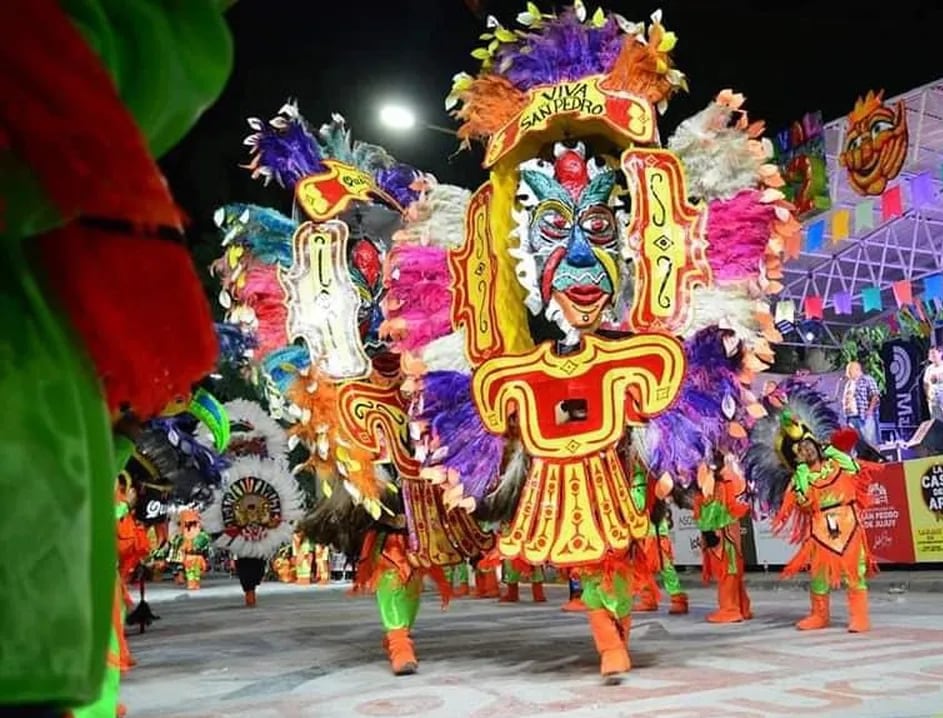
point(933, 286)
point(786, 311)
point(891, 203)
point(921, 189)
point(871, 299)
point(841, 301)
point(815, 236)
point(841, 225)
point(814, 308)
point(903, 292)
point(864, 215)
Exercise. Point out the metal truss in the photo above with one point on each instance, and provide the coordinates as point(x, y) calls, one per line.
point(907, 247)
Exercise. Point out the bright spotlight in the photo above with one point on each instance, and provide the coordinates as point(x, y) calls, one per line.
point(397, 117)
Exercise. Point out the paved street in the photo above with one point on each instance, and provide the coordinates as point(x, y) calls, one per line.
point(315, 653)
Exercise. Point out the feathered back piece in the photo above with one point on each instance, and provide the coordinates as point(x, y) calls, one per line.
point(769, 462)
point(728, 165)
point(287, 150)
point(418, 302)
point(560, 48)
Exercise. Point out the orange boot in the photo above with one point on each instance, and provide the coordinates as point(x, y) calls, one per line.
point(537, 592)
point(512, 595)
point(819, 617)
point(728, 600)
point(611, 645)
point(679, 604)
point(746, 608)
point(250, 599)
point(574, 605)
point(489, 585)
point(399, 647)
point(462, 590)
point(858, 619)
point(646, 600)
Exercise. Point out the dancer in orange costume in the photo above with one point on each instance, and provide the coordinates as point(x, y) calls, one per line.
point(718, 509)
point(512, 573)
point(819, 491)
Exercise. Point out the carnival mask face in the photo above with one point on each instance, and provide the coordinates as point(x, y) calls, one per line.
point(568, 256)
point(875, 144)
point(252, 510)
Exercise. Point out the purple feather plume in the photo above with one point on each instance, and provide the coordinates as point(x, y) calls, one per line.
point(697, 426)
point(469, 448)
point(396, 181)
point(284, 148)
point(563, 50)
point(233, 343)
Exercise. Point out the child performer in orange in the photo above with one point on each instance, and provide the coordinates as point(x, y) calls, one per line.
point(798, 459)
point(717, 510)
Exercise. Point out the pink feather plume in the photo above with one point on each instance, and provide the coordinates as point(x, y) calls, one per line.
point(263, 292)
point(418, 301)
point(738, 230)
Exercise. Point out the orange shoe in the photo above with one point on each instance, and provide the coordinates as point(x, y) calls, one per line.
point(537, 592)
point(574, 605)
point(819, 617)
point(193, 585)
point(512, 595)
point(607, 631)
point(858, 619)
point(461, 591)
point(746, 608)
point(679, 604)
point(250, 599)
point(399, 647)
point(120, 711)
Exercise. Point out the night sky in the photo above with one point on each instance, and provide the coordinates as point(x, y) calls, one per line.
point(788, 58)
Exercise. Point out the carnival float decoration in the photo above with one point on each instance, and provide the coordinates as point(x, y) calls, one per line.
point(875, 144)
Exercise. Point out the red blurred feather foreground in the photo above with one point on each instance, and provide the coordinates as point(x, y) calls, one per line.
point(134, 297)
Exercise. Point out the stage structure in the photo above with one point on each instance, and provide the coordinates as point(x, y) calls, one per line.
point(875, 251)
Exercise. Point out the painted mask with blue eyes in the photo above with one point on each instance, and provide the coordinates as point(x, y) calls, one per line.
point(570, 239)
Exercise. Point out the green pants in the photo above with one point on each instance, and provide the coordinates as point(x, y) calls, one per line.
point(670, 579)
point(457, 574)
point(616, 598)
point(107, 704)
point(820, 585)
point(398, 602)
point(512, 575)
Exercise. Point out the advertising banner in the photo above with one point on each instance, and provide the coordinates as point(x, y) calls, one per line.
point(770, 550)
point(924, 478)
point(887, 521)
point(902, 403)
point(685, 537)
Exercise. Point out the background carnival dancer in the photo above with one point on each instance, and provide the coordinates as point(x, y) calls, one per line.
point(659, 553)
point(573, 297)
point(512, 573)
point(799, 463)
point(252, 512)
point(82, 119)
point(654, 550)
point(718, 508)
point(381, 228)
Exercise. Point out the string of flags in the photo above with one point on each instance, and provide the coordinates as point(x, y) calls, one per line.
point(845, 223)
point(891, 206)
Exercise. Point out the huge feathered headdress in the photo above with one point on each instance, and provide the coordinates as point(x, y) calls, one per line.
point(550, 49)
point(770, 461)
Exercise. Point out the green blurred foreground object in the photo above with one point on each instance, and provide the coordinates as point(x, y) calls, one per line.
point(169, 60)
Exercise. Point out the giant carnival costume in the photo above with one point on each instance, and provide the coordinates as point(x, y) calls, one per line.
point(799, 463)
point(597, 316)
point(454, 361)
point(333, 297)
point(91, 92)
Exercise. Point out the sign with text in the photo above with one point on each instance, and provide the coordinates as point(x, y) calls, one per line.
point(887, 521)
point(924, 478)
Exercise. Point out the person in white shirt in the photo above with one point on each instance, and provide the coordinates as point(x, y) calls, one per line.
point(933, 383)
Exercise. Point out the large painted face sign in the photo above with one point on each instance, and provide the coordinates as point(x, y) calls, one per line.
point(875, 143)
point(569, 251)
